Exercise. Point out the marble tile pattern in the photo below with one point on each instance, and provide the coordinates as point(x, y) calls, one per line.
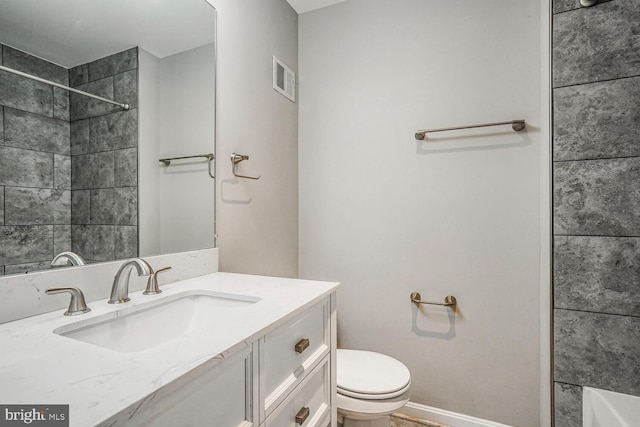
point(22, 61)
point(1, 125)
point(114, 206)
point(2, 205)
point(596, 43)
point(104, 141)
point(90, 171)
point(61, 172)
point(597, 120)
point(61, 238)
point(25, 242)
point(31, 206)
point(597, 197)
point(26, 95)
point(566, 5)
point(83, 107)
point(598, 274)
point(35, 132)
point(60, 104)
point(568, 408)
point(596, 200)
point(597, 350)
point(48, 136)
point(25, 168)
point(114, 131)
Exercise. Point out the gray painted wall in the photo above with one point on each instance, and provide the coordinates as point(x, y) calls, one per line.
point(457, 214)
point(256, 221)
point(596, 202)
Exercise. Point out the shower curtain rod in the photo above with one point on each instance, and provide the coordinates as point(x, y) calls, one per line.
point(67, 88)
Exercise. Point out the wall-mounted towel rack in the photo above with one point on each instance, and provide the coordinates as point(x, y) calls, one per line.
point(237, 158)
point(516, 125)
point(209, 156)
point(124, 106)
point(449, 301)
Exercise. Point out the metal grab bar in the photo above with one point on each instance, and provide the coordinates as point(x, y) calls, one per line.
point(237, 158)
point(449, 301)
point(124, 106)
point(516, 125)
point(209, 156)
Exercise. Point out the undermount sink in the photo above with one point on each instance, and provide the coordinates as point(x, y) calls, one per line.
point(144, 327)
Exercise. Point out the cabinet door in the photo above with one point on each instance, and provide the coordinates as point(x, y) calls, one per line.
point(288, 353)
point(218, 397)
point(308, 405)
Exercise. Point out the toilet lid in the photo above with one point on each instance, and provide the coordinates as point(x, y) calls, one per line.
point(369, 375)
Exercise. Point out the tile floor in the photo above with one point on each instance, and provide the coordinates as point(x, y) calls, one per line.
point(401, 420)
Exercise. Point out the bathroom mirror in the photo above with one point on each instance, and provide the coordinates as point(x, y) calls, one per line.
point(83, 175)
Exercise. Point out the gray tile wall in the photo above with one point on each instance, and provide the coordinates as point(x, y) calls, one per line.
point(596, 201)
point(104, 162)
point(35, 164)
point(68, 164)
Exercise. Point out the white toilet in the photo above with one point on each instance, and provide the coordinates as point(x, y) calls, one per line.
point(371, 386)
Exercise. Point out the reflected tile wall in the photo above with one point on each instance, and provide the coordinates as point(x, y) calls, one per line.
point(35, 164)
point(596, 153)
point(104, 160)
point(67, 159)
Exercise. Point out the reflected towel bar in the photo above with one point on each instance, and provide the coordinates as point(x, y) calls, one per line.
point(210, 157)
point(449, 301)
point(516, 125)
point(67, 88)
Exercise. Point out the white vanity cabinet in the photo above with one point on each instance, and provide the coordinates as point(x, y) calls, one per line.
point(286, 378)
point(295, 365)
point(221, 396)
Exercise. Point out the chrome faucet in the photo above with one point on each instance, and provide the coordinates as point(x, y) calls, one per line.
point(120, 288)
point(66, 258)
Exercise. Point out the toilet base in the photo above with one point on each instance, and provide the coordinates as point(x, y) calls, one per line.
point(378, 422)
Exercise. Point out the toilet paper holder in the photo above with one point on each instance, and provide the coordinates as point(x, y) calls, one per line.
point(449, 300)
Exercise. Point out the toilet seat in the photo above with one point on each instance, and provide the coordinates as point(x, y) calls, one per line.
point(371, 376)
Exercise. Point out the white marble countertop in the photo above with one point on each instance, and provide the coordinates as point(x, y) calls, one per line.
point(38, 366)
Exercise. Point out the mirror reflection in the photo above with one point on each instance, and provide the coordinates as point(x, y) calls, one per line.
point(80, 178)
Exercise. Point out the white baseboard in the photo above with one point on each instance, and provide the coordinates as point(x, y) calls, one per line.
point(448, 418)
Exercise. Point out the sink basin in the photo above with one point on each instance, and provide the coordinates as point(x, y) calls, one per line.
point(147, 326)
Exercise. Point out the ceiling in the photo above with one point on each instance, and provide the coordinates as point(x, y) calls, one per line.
point(302, 6)
point(73, 32)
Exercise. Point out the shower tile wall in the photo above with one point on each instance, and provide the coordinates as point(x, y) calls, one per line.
point(596, 153)
point(104, 165)
point(35, 164)
point(68, 164)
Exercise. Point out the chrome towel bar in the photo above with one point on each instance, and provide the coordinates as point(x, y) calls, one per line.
point(449, 301)
point(516, 125)
point(209, 156)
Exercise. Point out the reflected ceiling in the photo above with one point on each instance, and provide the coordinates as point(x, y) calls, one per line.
point(92, 29)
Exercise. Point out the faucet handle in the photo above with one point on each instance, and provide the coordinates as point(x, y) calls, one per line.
point(152, 283)
point(77, 305)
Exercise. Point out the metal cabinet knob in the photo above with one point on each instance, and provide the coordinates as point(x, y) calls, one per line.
point(302, 345)
point(302, 415)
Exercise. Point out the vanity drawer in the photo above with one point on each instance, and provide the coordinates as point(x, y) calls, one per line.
point(290, 352)
point(308, 406)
